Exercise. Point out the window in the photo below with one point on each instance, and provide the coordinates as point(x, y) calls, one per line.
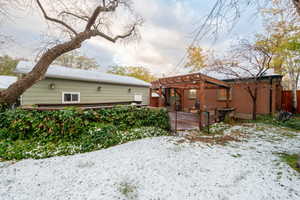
point(138, 97)
point(222, 96)
point(192, 94)
point(71, 97)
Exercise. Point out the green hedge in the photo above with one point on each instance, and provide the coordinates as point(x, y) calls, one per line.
point(97, 139)
point(43, 134)
point(70, 123)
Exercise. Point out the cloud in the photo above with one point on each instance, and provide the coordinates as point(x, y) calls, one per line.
point(165, 35)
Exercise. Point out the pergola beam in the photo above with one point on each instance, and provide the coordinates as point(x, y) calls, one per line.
point(189, 78)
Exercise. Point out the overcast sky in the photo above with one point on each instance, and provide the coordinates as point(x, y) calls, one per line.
point(166, 33)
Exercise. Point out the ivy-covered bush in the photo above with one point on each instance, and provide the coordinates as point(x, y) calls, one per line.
point(42, 134)
point(23, 124)
point(98, 139)
point(69, 123)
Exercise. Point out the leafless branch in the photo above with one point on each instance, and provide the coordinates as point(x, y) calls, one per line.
point(84, 18)
point(109, 8)
point(297, 5)
point(114, 39)
point(54, 19)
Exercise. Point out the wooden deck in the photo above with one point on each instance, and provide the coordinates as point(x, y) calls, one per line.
point(185, 121)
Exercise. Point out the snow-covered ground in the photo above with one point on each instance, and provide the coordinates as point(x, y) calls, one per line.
point(163, 169)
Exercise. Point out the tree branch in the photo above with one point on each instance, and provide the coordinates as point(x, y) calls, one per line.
point(110, 8)
point(250, 92)
point(53, 19)
point(297, 5)
point(114, 39)
point(84, 18)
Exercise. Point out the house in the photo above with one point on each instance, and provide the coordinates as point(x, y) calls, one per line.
point(63, 85)
point(215, 90)
point(6, 81)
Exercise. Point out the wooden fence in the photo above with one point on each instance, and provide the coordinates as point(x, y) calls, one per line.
point(287, 101)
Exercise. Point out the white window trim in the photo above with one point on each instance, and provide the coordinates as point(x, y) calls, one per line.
point(138, 94)
point(66, 102)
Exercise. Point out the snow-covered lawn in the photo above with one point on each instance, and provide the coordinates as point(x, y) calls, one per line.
point(164, 169)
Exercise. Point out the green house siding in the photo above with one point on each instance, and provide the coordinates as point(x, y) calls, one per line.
point(40, 93)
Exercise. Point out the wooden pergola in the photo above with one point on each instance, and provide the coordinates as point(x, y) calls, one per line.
point(196, 81)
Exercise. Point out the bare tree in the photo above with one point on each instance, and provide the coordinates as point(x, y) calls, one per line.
point(225, 14)
point(248, 63)
point(5, 14)
point(4, 5)
point(79, 25)
point(297, 5)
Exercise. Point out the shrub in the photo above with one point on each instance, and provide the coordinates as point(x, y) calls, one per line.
point(293, 123)
point(36, 134)
point(97, 139)
point(69, 123)
point(22, 124)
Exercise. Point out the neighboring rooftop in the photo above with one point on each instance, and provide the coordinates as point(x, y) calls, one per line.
point(6, 81)
point(56, 71)
point(234, 73)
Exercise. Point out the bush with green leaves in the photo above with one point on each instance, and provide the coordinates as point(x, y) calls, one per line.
point(42, 134)
point(96, 139)
point(69, 123)
point(293, 123)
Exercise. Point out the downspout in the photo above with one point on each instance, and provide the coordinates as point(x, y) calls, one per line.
point(271, 96)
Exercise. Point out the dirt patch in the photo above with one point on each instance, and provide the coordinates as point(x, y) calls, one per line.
point(212, 140)
point(233, 136)
point(181, 141)
point(238, 134)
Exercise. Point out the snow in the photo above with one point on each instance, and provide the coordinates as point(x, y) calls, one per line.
point(163, 168)
point(56, 71)
point(6, 81)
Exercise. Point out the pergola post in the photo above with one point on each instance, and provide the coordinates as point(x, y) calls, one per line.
point(182, 99)
point(160, 97)
point(227, 97)
point(202, 102)
point(175, 95)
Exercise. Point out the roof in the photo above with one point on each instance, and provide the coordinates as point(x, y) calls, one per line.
point(231, 74)
point(6, 81)
point(61, 72)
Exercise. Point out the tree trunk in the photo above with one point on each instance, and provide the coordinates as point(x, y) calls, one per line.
point(294, 97)
point(297, 5)
point(254, 100)
point(254, 109)
point(253, 96)
point(10, 95)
